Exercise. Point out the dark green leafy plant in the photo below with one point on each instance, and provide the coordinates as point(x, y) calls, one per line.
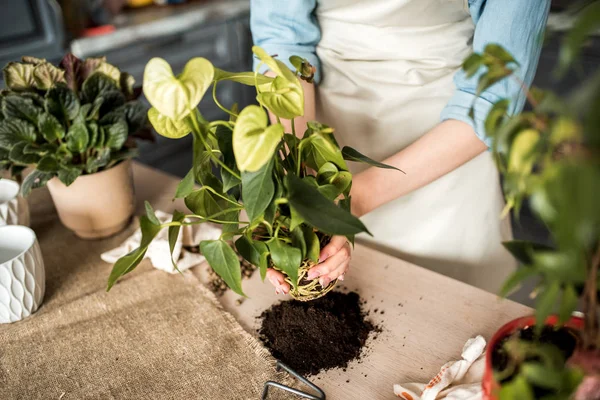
point(295, 190)
point(551, 155)
point(78, 118)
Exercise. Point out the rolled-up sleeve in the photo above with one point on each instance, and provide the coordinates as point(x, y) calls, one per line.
point(516, 25)
point(286, 28)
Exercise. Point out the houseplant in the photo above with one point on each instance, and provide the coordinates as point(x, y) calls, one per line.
point(295, 191)
point(551, 156)
point(75, 125)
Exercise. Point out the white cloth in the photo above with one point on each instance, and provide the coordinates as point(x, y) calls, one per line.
point(457, 380)
point(158, 251)
point(387, 74)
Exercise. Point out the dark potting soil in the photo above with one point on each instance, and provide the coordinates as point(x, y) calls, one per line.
point(317, 335)
point(565, 339)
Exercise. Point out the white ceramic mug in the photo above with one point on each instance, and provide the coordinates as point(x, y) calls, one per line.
point(13, 207)
point(22, 274)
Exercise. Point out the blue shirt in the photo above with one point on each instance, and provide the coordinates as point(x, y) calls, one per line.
point(291, 28)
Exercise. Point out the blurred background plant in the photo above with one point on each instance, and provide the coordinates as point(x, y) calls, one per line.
point(550, 155)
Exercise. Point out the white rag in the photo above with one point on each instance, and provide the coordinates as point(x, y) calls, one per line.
point(158, 251)
point(457, 380)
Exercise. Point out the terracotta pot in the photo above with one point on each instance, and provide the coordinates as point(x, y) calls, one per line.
point(489, 384)
point(98, 205)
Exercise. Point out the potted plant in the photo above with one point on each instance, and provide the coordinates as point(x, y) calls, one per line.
point(294, 190)
point(74, 125)
point(551, 156)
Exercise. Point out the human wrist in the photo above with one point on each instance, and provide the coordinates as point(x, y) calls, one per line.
point(358, 205)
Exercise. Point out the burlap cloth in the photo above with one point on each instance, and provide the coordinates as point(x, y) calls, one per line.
point(154, 336)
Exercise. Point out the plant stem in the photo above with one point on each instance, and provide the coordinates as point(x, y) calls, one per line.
point(293, 127)
point(528, 94)
point(590, 303)
point(222, 123)
point(214, 94)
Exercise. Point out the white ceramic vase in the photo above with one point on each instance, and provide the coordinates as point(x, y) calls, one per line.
point(22, 274)
point(13, 207)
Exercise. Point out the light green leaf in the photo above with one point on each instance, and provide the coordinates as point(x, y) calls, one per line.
point(77, 138)
point(500, 53)
point(517, 388)
point(224, 262)
point(319, 211)
point(168, 127)
point(541, 375)
point(568, 303)
point(317, 150)
point(50, 128)
point(13, 131)
point(515, 279)
point(18, 77)
point(284, 99)
point(150, 213)
point(246, 78)
point(46, 75)
point(253, 142)
point(522, 155)
point(111, 71)
point(174, 97)
point(327, 173)
point(545, 303)
point(62, 103)
point(351, 154)
point(178, 216)
point(286, 258)
point(129, 262)
point(186, 186)
point(117, 135)
point(68, 175)
point(279, 68)
point(258, 190)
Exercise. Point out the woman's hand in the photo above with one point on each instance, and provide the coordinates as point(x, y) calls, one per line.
point(334, 262)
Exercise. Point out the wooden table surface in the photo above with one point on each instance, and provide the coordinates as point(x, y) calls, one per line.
point(426, 317)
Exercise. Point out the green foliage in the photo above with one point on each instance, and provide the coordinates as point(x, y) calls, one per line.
point(67, 121)
point(551, 156)
point(293, 189)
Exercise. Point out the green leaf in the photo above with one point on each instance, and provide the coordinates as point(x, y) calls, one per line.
point(514, 280)
point(313, 245)
point(168, 127)
point(117, 135)
point(284, 99)
point(331, 192)
point(496, 116)
point(255, 252)
point(493, 75)
point(186, 186)
point(127, 82)
point(523, 250)
point(68, 175)
point(286, 258)
point(35, 180)
point(258, 190)
point(203, 167)
point(20, 107)
point(224, 262)
point(99, 160)
point(568, 303)
point(18, 77)
point(518, 388)
point(178, 216)
point(110, 71)
point(96, 85)
point(298, 241)
point(253, 142)
point(129, 262)
point(541, 376)
point(472, 64)
point(246, 78)
point(500, 53)
point(111, 100)
point(62, 103)
point(225, 137)
point(17, 155)
point(13, 131)
point(94, 131)
point(327, 173)
point(48, 164)
point(317, 150)
point(522, 152)
point(278, 67)
point(77, 138)
point(46, 75)
point(587, 22)
point(50, 128)
point(319, 211)
point(150, 213)
point(545, 303)
point(135, 115)
point(206, 204)
point(297, 219)
point(174, 97)
point(346, 203)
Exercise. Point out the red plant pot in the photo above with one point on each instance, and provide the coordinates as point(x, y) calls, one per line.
point(489, 384)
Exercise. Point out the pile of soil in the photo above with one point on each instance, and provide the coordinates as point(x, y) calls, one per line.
point(317, 335)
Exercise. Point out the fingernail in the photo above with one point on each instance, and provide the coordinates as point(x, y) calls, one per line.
point(312, 274)
point(324, 281)
point(341, 277)
point(322, 257)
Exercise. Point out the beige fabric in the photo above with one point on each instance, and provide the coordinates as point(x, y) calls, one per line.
point(387, 74)
point(154, 336)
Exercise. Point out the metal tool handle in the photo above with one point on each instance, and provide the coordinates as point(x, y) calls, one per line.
point(320, 395)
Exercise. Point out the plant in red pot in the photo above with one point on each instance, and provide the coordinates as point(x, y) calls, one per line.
point(549, 155)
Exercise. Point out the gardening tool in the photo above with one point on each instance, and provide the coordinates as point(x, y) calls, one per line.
point(319, 396)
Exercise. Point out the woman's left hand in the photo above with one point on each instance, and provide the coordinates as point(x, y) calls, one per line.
point(334, 261)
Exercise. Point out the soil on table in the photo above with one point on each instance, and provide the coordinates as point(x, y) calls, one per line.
point(317, 335)
point(564, 338)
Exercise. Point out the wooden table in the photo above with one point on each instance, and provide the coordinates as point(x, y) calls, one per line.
point(426, 317)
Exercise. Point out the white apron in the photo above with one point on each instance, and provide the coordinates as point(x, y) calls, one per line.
point(387, 74)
